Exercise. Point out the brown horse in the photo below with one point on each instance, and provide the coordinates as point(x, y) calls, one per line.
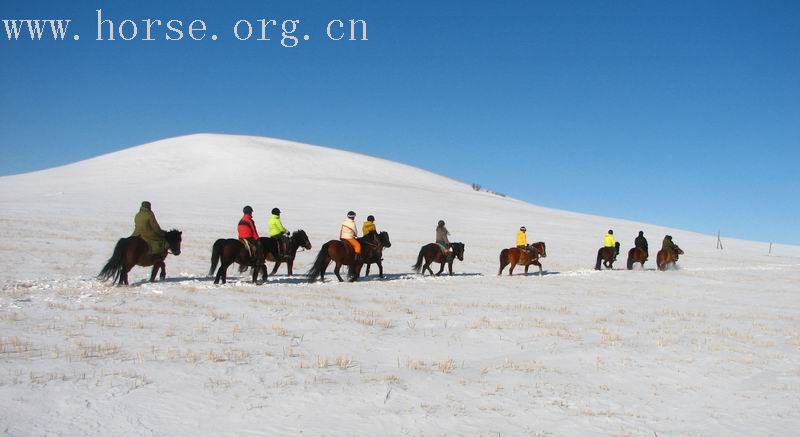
point(342, 253)
point(132, 251)
point(606, 255)
point(636, 255)
point(227, 251)
point(297, 240)
point(514, 255)
point(432, 252)
point(376, 256)
point(666, 259)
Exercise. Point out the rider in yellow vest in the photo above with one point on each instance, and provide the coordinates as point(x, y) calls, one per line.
point(522, 238)
point(279, 232)
point(368, 226)
point(609, 241)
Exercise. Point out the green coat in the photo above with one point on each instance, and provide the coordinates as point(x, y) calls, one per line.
point(668, 245)
point(146, 227)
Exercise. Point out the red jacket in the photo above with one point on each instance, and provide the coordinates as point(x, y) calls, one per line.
point(247, 227)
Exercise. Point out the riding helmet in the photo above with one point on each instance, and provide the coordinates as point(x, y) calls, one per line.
point(611, 231)
point(441, 222)
point(641, 233)
point(522, 228)
point(247, 209)
point(351, 215)
point(370, 218)
point(146, 204)
point(276, 211)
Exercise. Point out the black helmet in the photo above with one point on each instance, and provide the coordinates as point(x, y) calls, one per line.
point(247, 209)
point(441, 222)
point(370, 218)
point(276, 211)
point(641, 233)
point(351, 214)
point(523, 229)
point(611, 231)
point(146, 204)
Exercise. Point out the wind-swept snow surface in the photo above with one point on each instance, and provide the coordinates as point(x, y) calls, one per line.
point(711, 348)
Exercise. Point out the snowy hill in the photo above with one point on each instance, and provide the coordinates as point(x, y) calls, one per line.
point(709, 349)
point(199, 183)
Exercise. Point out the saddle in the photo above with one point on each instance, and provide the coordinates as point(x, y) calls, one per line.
point(250, 246)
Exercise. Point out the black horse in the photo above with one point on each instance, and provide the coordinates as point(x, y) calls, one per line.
point(132, 251)
point(297, 240)
point(606, 255)
point(433, 252)
point(342, 253)
point(376, 257)
point(227, 251)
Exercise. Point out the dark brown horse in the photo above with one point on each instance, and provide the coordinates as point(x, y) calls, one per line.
point(666, 259)
point(514, 255)
point(227, 251)
point(636, 255)
point(342, 253)
point(433, 252)
point(606, 255)
point(377, 256)
point(133, 251)
point(297, 240)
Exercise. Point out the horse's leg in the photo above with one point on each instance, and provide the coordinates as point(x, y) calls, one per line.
point(366, 273)
point(163, 274)
point(537, 263)
point(450, 267)
point(224, 269)
point(289, 264)
point(264, 270)
point(336, 271)
point(154, 270)
point(441, 269)
point(380, 269)
point(275, 269)
point(511, 268)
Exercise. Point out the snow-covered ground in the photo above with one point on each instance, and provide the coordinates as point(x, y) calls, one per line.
point(712, 348)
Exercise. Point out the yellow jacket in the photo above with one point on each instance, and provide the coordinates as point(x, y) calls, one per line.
point(522, 239)
point(368, 227)
point(609, 241)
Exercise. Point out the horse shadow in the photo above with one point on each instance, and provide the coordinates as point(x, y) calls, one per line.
point(175, 280)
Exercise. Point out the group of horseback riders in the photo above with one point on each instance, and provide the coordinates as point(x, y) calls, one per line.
point(147, 228)
point(641, 243)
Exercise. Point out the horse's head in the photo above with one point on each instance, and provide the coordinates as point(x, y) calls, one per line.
point(458, 250)
point(300, 239)
point(384, 237)
point(540, 246)
point(173, 239)
point(678, 250)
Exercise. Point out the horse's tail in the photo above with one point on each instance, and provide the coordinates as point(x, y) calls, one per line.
point(599, 259)
point(113, 267)
point(319, 264)
point(503, 261)
point(631, 254)
point(416, 267)
point(216, 255)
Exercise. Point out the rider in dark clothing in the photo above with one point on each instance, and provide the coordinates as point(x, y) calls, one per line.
point(641, 242)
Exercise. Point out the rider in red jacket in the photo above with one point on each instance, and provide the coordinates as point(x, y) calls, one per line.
point(247, 229)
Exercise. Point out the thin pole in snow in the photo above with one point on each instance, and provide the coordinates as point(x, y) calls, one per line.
point(719, 241)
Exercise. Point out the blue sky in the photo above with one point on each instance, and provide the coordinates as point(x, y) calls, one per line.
point(680, 113)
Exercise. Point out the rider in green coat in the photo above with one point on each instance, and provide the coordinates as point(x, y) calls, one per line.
point(146, 227)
